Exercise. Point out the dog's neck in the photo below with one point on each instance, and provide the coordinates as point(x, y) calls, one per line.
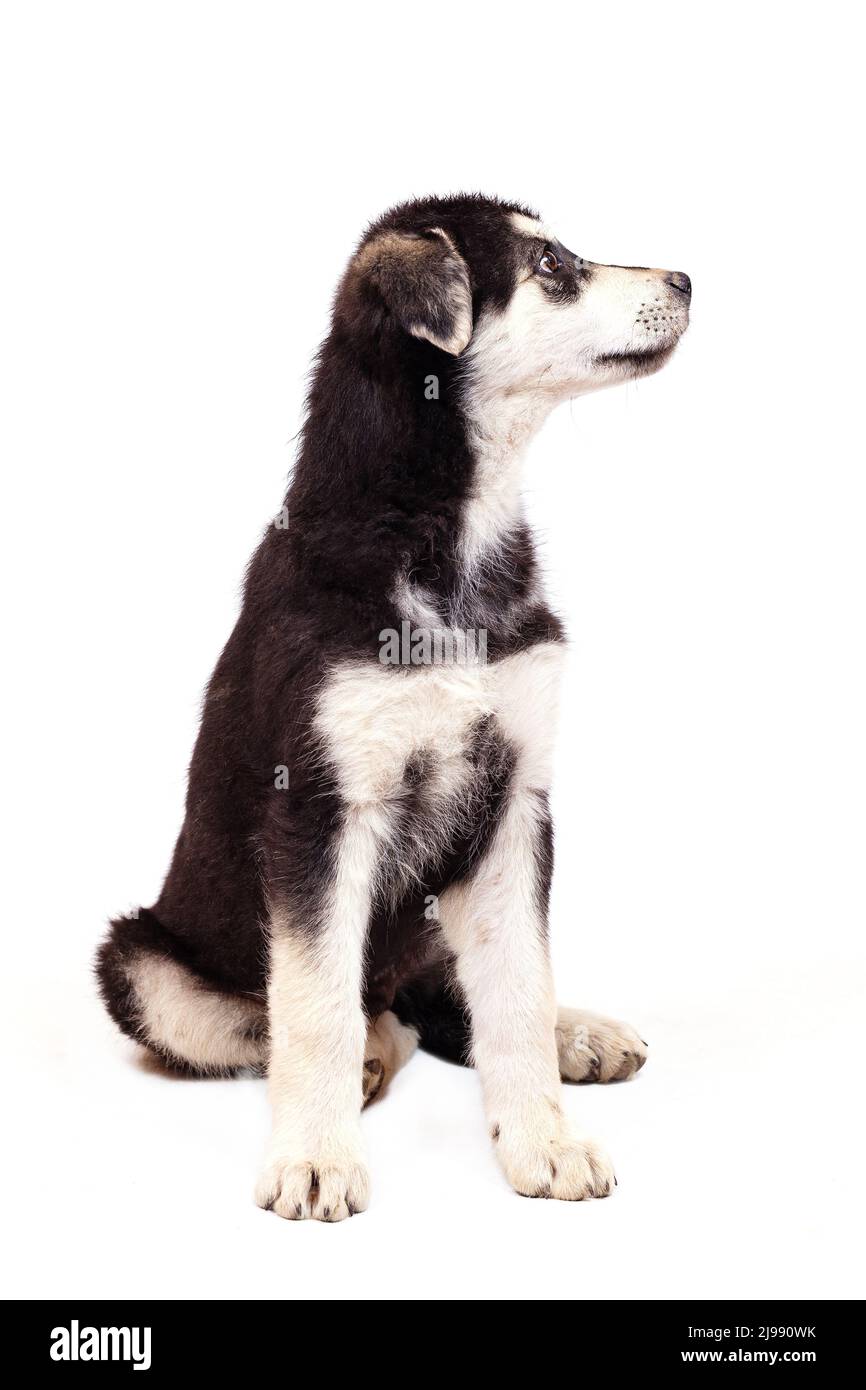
point(391, 493)
point(499, 430)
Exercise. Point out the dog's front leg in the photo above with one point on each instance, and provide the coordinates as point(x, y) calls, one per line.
point(315, 1166)
point(496, 924)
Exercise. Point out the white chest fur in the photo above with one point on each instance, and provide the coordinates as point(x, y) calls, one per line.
point(374, 719)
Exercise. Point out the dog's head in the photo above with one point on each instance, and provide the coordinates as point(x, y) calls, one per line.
point(487, 283)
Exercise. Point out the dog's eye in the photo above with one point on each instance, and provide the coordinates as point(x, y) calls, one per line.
point(549, 264)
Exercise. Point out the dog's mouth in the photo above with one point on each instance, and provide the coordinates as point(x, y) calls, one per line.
point(645, 357)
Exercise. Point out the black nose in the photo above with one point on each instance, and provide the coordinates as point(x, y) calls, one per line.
point(681, 282)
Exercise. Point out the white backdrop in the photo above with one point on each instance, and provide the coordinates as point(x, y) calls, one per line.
point(183, 184)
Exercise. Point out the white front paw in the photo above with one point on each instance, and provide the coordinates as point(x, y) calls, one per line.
point(561, 1166)
point(327, 1188)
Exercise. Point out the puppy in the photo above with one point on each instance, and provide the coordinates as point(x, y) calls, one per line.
point(366, 857)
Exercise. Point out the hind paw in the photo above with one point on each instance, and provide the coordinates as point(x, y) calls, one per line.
point(593, 1048)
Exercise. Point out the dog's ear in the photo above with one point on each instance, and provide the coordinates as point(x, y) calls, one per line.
point(424, 282)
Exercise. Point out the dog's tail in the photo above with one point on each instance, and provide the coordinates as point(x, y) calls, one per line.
point(435, 1007)
point(157, 999)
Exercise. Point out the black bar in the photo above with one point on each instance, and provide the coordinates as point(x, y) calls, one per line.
point(165, 1338)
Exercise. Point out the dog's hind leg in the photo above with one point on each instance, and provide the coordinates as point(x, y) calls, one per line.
point(201, 1030)
point(434, 1007)
point(589, 1046)
point(389, 1046)
point(594, 1048)
point(161, 1002)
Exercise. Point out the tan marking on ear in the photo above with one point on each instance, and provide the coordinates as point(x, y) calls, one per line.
point(403, 255)
point(387, 245)
point(455, 344)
